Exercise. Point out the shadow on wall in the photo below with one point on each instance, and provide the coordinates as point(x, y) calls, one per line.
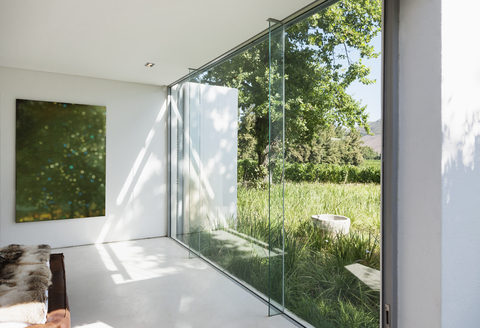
point(211, 137)
point(460, 134)
point(140, 205)
point(460, 209)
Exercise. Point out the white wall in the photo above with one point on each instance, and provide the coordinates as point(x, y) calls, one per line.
point(460, 164)
point(439, 164)
point(218, 154)
point(211, 120)
point(136, 189)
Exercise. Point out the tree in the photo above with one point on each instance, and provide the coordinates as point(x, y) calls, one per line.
point(353, 148)
point(369, 153)
point(246, 142)
point(319, 67)
point(333, 146)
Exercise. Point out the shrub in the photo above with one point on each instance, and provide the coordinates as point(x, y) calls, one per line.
point(248, 171)
point(334, 173)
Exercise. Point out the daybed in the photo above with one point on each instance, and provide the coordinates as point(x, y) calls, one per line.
point(21, 277)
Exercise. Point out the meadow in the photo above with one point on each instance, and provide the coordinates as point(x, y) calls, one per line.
point(318, 287)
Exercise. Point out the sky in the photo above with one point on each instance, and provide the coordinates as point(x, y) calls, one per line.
point(370, 95)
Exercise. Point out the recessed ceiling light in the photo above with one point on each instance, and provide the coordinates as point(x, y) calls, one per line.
point(149, 64)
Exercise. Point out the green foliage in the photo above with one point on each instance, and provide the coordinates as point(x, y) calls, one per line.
point(353, 149)
point(375, 163)
point(375, 128)
point(334, 173)
point(246, 142)
point(318, 71)
point(369, 153)
point(333, 146)
point(249, 171)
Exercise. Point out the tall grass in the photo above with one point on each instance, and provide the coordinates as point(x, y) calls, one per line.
point(359, 202)
point(318, 287)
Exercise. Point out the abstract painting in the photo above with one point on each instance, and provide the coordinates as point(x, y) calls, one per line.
point(60, 160)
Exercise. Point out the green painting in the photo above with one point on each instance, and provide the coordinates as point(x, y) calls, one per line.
point(60, 161)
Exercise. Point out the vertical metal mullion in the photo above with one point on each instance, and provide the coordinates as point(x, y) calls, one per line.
point(283, 164)
point(277, 308)
point(186, 159)
point(390, 147)
point(181, 162)
point(169, 163)
point(180, 155)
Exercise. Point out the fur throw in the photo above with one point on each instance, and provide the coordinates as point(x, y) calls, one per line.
point(24, 279)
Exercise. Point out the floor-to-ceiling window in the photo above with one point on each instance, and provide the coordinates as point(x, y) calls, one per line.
point(270, 179)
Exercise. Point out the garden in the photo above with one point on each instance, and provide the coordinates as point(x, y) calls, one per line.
point(319, 287)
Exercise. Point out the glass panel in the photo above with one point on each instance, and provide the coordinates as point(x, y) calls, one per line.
point(260, 179)
point(194, 166)
point(276, 161)
point(177, 154)
point(332, 194)
point(232, 231)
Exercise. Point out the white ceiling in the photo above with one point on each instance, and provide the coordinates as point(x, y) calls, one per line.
point(113, 39)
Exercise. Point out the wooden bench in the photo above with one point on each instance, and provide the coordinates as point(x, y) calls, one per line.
point(58, 315)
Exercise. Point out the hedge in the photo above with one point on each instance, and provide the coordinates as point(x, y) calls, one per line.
point(331, 173)
point(295, 172)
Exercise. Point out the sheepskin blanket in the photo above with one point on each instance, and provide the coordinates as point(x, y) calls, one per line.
point(24, 279)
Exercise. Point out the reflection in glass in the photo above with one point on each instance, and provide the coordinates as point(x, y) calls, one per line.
point(266, 144)
point(194, 200)
point(276, 158)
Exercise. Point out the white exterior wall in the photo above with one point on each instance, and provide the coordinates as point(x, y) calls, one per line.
point(136, 189)
point(211, 121)
point(439, 164)
point(219, 154)
point(460, 164)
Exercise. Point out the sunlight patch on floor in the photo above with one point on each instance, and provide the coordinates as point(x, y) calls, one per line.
point(95, 325)
point(130, 264)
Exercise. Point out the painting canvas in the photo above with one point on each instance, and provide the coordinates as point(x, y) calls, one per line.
point(60, 160)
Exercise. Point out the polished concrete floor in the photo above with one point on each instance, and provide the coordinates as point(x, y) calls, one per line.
point(153, 283)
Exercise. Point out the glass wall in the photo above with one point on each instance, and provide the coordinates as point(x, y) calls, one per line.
point(209, 219)
point(276, 166)
point(270, 180)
